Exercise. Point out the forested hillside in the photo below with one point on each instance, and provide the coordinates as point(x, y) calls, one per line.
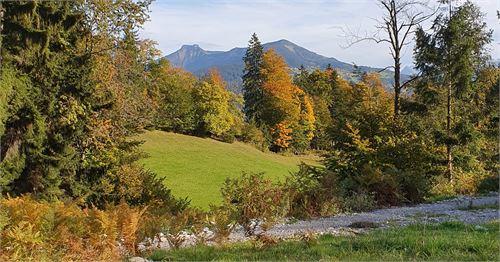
point(230, 64)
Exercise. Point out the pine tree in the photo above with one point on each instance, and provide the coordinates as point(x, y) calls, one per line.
point(252, 80)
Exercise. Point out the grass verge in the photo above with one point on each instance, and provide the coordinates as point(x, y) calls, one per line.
point(446, 241)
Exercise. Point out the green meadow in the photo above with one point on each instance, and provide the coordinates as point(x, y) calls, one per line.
point(196, 167)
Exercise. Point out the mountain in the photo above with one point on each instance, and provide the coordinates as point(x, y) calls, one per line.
point(408, 70)
point(230, 63)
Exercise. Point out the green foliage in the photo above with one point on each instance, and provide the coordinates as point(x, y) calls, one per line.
point(313, 192)
point(318, 85)
point(451, 59)
point(173, 93)
point(251, 134)
point(256, 201)
point(360, 202)
point(373, 152)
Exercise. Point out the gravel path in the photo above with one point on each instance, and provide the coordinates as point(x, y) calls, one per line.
point(458, 209)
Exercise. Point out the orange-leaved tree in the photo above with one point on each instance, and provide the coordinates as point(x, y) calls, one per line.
point(286, 106)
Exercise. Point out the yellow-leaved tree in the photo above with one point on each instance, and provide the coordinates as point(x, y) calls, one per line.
point(212, 99)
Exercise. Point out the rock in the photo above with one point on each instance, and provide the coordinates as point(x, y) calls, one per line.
point(137, 259)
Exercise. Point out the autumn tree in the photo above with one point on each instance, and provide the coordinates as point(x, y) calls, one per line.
point(318, 86)
point(213, 105)
point(283, 102)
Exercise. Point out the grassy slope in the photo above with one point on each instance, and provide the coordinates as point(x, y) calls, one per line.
point(445, 242)
point(197, 167)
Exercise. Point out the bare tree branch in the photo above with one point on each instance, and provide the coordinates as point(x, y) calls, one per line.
point(400, 19)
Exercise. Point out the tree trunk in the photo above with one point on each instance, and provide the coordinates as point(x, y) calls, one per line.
point(449, 112)
point(448, 130)
point(1, 29)
point(396, 46)
point(397, 86)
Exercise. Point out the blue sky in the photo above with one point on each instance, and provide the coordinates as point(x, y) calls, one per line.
point(317, 25)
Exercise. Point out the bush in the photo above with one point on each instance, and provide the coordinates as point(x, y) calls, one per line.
point(255, 201)
point(360, 202)
point(222, 221)
point(466, 183)
point(383, 185)
point(489, 184)
point(441, 186)
point(228, 137)
point(414, 186)
point(251, 134)
point(313, 192)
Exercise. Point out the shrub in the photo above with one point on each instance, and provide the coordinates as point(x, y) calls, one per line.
point(228, 137)
point(414, 186)
point(360, 202)
point(313, 192)
point(251, 134)
point(441, 186)
point(222, 221)
point(255, 200)
point(489, 184)
point(384, 186)
point(466, 182)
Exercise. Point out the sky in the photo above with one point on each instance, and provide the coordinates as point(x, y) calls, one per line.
point(318, 25)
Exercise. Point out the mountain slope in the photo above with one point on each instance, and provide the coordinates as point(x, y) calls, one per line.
point(230, 63)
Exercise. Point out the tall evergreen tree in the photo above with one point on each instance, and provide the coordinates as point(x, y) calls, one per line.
point(49, 111)
point(253, 80)
point(450, 57)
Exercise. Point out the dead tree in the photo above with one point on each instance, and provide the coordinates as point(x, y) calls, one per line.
point(400, 19)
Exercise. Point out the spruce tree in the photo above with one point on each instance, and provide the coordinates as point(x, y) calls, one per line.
point(450, 57)
point(252, 80)
point(47, 114)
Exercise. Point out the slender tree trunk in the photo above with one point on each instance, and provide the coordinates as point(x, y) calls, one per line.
point(1, 29)
point(449, 156)
point(397, 86)
point(448, 130)
point(397, 59)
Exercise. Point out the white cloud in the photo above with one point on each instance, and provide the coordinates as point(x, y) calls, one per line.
point(315, 25)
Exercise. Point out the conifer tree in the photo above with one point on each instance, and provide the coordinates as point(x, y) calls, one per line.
point(450, 57)
point(252, 79)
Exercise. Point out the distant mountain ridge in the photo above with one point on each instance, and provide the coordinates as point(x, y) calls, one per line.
point(230, 63)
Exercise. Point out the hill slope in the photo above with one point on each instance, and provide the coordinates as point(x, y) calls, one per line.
point(196, 167)
point(230, 63)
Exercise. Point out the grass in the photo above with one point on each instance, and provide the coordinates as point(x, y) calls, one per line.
point(196, 167)
point(446, 241)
